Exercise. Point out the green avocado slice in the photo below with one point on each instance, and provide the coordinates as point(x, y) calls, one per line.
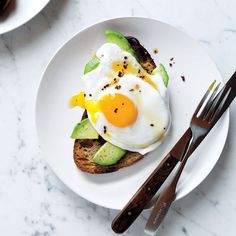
point(108, 154)
point(91, 65)
point(119, 39)
point(161, 71)
point(84, 130)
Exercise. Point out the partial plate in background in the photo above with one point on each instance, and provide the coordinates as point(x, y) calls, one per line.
point(55, 120)
point(19, 12)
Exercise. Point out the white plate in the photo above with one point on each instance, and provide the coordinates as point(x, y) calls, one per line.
point(23, 11)
point(55, 120)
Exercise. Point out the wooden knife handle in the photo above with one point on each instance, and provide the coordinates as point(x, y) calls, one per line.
point(145, 193)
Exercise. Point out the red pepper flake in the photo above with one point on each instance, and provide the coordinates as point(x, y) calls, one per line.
point(118, 87)
point(116, 110)
point(183, 78)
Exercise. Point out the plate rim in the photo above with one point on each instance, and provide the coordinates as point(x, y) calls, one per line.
point(226, 115)
point(24, 22)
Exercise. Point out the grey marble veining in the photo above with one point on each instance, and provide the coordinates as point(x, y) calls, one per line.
point(33, 201)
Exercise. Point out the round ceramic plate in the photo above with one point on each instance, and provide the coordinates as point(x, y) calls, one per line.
point(55, 120)
point(19, 12)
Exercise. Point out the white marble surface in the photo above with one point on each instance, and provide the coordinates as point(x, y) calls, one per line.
point(32, 200)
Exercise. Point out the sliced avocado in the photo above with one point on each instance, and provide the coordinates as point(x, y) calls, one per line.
point(91, 65)
point(119, 39)
point(84, 130)
point(108, 154)
point(162, 71)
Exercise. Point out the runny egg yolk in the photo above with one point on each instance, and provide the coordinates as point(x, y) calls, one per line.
point(118, 109)
point(128, 68)
point(78, 100)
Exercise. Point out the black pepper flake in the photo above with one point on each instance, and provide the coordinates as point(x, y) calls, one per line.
point(164, 128)
point(139, 71)
point(118, 64)
point(155, 50)
point(122, 104)
point(140, 91)
point(151, 125)
point(183, 78)
point(131, 90)
point(84, 95)
point(116, 110)
point(170, 64)
point(142, 76)
point(172, 58)
point(118, 87)
point(90, 95)
point(105, 86)
point(125, 57)
point(120, 74)
point(104, 129)
point(125, 66)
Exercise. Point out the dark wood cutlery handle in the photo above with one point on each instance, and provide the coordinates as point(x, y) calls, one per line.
point(149, 188)
point(145, 193)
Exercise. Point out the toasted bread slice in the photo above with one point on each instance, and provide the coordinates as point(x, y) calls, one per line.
point(85, 149)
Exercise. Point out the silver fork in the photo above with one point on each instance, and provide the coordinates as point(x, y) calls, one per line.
point(207, 113)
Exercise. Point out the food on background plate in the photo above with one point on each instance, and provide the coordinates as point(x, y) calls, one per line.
point(124, 95)
point(3, 5)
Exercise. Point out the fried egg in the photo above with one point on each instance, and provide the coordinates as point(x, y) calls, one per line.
point(127, 106)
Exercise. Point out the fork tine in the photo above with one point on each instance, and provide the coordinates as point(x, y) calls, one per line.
point(204, 98)
point(217, 100)
point(221, 104)
point(210, 102)
point(223, 99)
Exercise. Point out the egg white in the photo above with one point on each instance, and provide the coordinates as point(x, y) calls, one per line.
point(152, 104)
